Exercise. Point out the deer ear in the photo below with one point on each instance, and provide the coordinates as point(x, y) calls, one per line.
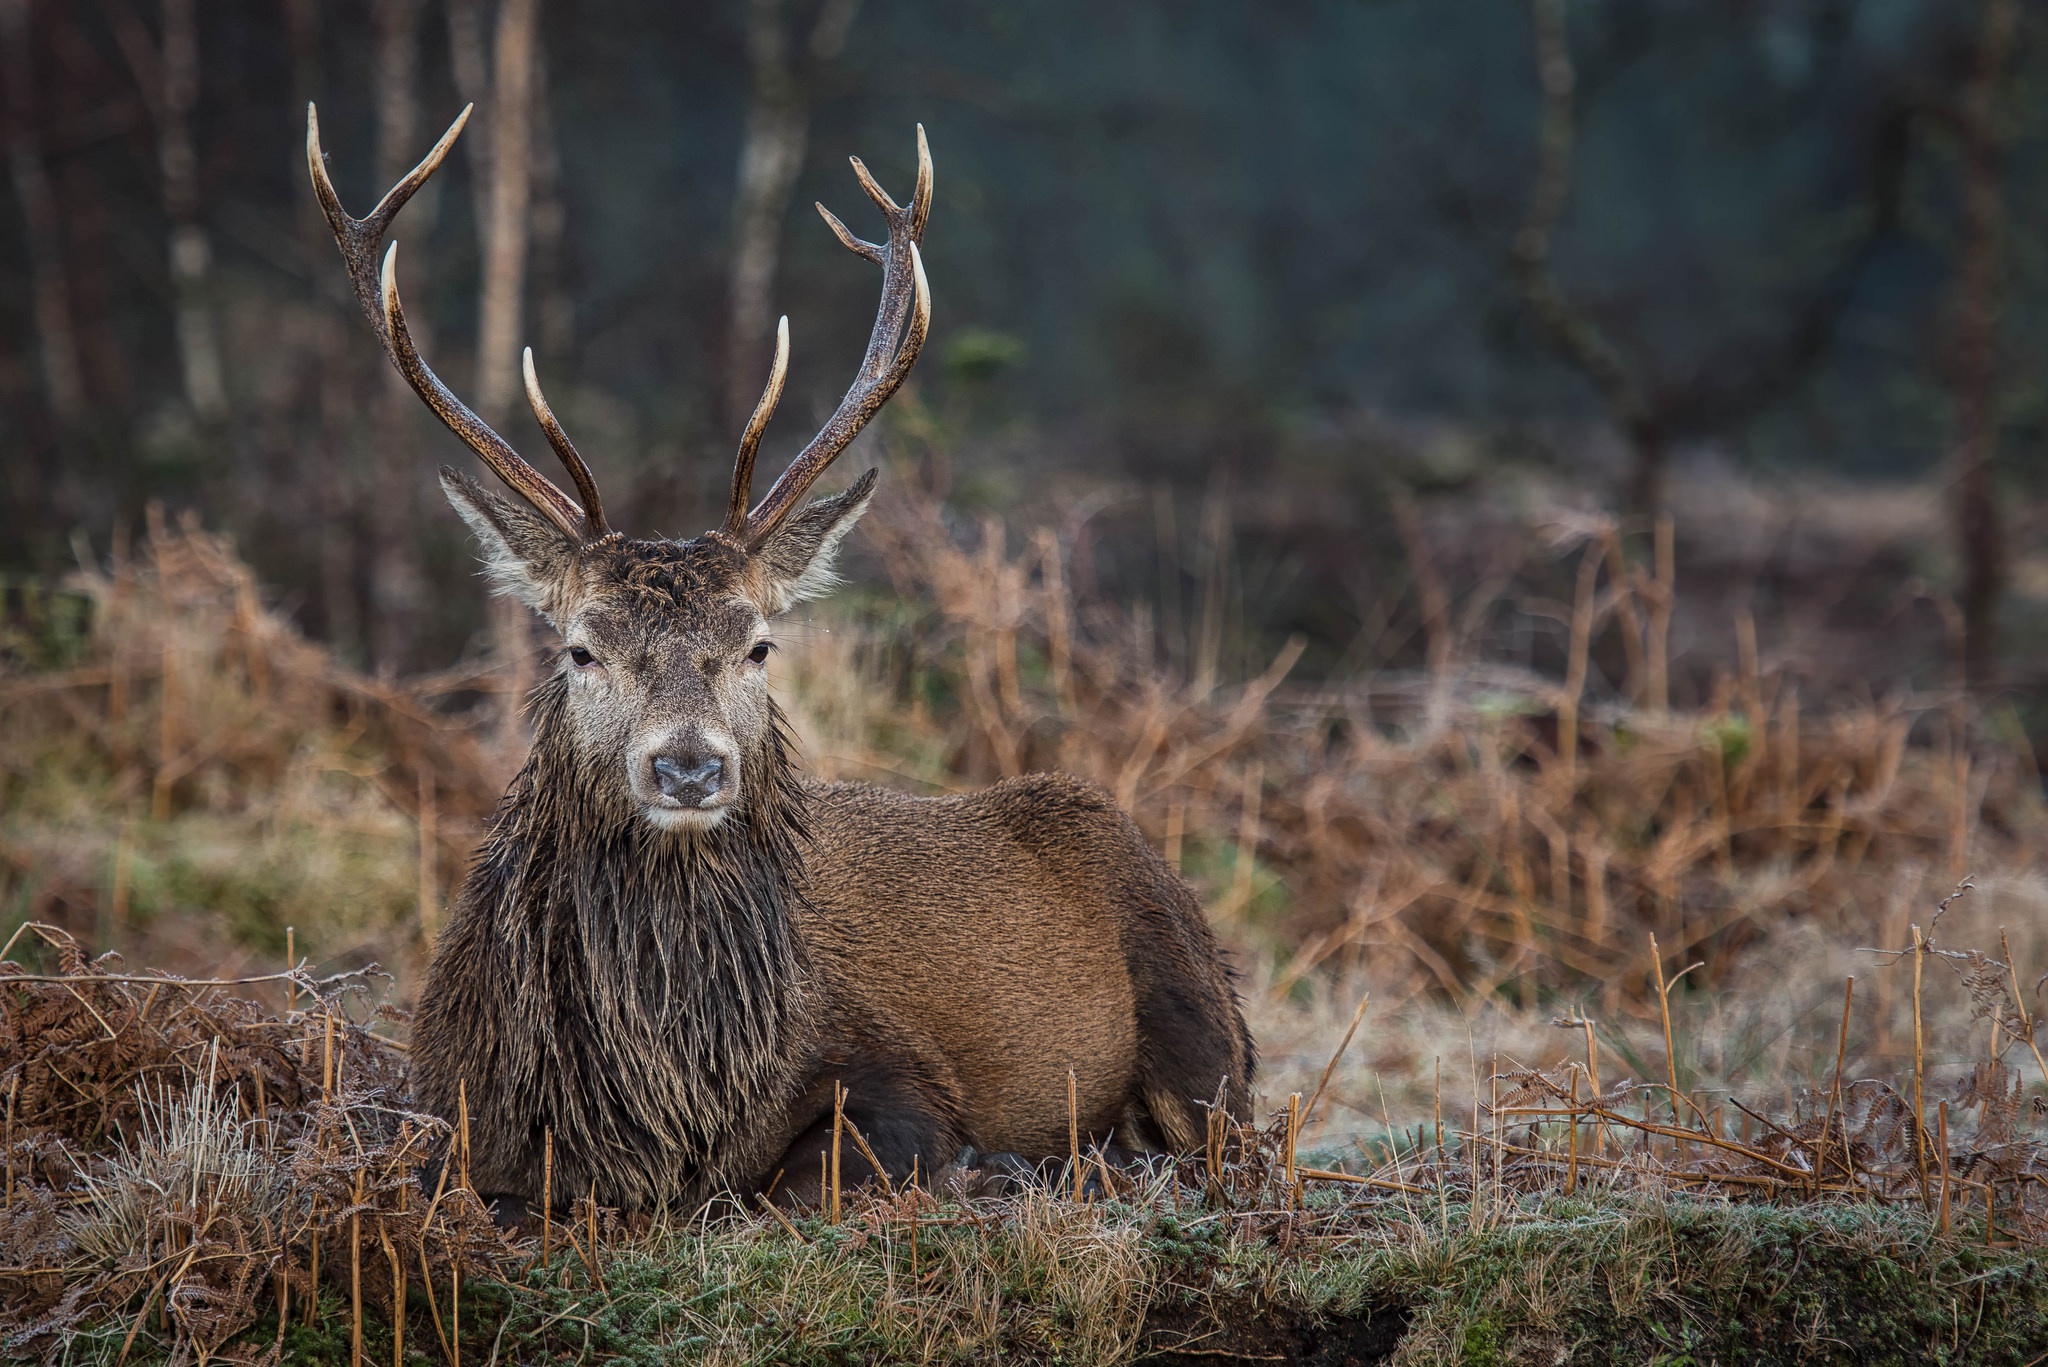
point(795, 564)
point(525, 555)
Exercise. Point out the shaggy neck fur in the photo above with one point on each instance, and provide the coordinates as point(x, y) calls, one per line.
point(659, 973)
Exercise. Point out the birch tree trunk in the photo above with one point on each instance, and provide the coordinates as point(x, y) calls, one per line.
point(470, 64)
point(336, 498)
point(503, 87)
point(771, 157)
point(505, 229)
point(555, 308)
point(302, 36)
point(396, 24)
point(191, 252)
point(329, 488)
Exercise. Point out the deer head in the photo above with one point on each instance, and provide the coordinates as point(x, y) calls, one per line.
point(662, 674)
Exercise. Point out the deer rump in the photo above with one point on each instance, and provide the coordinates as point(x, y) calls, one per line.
point(971, 950)
point(945, 960)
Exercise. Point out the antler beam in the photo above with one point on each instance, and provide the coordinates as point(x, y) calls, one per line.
point(892, 351)
point(376, 291)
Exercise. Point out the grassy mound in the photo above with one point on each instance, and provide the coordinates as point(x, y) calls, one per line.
point(1035, 1280)
point(191, 1176)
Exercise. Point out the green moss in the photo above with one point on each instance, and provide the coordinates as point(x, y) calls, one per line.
point(1481, 1344)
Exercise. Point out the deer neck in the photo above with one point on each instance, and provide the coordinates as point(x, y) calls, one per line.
point(672, 959)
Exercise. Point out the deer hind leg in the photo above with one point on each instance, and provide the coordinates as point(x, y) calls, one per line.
point(1192, 1043)
point(1193, 1050)
point(1180, 1077)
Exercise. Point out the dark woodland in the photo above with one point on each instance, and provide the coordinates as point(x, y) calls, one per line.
point(1291, 268)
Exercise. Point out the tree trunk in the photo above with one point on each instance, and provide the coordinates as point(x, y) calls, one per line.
point(191, 252)
point(337, 500)
point(503, 87)
point(397, 587)
point(1648, 457)
point(771, 157)
point(470, 65)
point(1979, 535)
point(56, 336)
point(396, 24)
point(554, 328)
point(302, 35)
point(504, 231)
point(1573, 331)
point(324, 479)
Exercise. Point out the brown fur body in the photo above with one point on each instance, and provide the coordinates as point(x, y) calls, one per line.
point(675, 1006)
point(1002, 938)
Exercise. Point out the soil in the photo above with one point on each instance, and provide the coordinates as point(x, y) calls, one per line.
point(1189, 1335)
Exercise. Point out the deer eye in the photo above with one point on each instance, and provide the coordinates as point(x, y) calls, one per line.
point(581, 658)
point(759, 654)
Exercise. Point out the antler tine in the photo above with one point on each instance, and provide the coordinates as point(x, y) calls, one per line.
point(377, 291)
point(359, 238)
point(891, 347)
point(920, 201)
point(874, 189)
point(847, 239)
point(921, 197)
point(586, 487)
point(750, 441)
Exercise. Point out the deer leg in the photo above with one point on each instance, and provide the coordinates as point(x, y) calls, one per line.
point(972, 1174)
point(1193, 1046)
point(899, 1124)
point(508, 1212)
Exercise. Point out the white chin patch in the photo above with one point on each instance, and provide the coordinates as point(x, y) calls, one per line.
point(684, 818)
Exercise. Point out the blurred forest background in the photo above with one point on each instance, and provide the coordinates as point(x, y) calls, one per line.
point(1280, 280)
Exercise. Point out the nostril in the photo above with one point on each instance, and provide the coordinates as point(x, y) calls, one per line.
point(688, 778)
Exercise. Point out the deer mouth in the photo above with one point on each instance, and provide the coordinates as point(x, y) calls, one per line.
point(670, 815)
point(688, 804)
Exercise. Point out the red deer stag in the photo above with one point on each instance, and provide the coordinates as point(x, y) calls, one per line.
point(672, 946)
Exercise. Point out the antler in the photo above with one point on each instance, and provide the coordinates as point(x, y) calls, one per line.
point(892, 350)
point(377, 291)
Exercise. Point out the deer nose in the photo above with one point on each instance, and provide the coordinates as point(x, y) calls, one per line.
point(692, 778)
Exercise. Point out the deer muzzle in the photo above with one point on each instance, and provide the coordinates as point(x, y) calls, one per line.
point(690, 780)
